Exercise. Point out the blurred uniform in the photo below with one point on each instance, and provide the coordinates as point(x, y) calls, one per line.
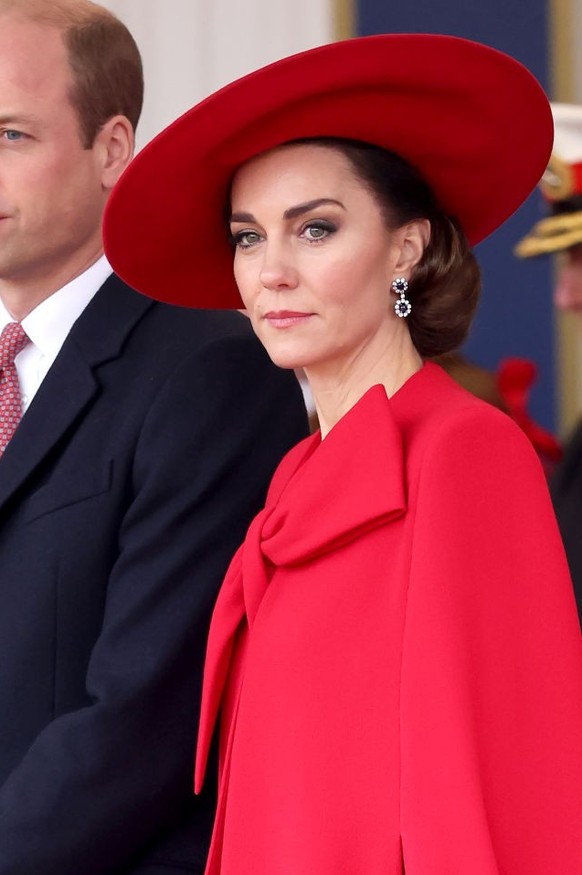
point(561, 233)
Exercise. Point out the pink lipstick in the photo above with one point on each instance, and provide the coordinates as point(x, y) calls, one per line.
point(286, 318)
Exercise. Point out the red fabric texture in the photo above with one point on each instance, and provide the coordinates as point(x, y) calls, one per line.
point(396, 655)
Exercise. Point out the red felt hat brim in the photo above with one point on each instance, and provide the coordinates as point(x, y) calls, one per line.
point(474, 121)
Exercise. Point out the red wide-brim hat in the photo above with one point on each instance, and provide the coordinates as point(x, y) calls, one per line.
point(473, 120)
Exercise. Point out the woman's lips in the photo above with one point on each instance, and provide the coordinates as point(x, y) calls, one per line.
point(286, 318)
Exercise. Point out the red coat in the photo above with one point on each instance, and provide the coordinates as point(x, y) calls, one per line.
point(398, 657)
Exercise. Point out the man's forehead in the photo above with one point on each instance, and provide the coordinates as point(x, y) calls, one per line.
point(33, 56)
point(20, 34)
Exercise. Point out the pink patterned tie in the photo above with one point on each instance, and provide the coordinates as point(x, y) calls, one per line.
point(12, 340)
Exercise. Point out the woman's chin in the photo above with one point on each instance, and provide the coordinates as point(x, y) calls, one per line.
point(288, 361)
point(288, 356)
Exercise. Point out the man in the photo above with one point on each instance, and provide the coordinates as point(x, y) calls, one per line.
point(143, 452)
point(561, 233)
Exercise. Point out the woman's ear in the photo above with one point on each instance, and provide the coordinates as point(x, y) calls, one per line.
point(114, 145)
point(414, 238)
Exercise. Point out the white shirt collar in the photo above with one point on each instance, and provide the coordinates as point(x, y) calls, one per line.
point(49, 323)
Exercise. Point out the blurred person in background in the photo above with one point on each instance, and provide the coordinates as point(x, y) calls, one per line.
point(560, 234)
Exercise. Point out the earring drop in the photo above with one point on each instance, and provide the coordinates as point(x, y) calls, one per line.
point(402, 307)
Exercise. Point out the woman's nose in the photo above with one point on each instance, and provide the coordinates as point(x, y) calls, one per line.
point(277, 270)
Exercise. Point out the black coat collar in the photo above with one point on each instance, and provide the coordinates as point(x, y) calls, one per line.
point(97, 336)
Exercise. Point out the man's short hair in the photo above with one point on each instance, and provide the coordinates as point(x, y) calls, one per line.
point(104, 59)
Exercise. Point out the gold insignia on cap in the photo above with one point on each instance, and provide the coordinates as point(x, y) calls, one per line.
point(557, 183)
point(551, 235)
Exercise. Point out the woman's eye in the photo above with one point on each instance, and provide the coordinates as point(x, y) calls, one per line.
point(318, 230)
point(245, 239)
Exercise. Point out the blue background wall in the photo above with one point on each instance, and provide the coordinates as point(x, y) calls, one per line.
point(515, 316)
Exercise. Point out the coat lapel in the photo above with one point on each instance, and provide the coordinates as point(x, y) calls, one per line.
point(352, 482)
point(71, 385)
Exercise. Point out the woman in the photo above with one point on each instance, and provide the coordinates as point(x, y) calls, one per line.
point(395, 652)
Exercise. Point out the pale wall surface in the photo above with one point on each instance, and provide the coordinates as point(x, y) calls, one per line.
point(192, 47)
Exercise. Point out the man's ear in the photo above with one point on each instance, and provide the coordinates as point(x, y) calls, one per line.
point(114, 146)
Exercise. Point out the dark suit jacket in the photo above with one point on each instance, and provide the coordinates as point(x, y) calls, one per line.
point(123, 494)
point(566, 491)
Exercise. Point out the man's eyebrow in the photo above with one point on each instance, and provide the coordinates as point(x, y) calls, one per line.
point(292, 212)
point(16, 119)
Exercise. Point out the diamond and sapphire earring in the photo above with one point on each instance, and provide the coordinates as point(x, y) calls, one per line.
point(402, 307)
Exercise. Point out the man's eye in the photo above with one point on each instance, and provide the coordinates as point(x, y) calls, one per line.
point(13, 135)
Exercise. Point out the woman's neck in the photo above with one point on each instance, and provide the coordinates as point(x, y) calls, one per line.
point(335, 391)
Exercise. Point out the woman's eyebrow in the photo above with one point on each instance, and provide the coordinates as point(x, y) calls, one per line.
point(292, 212)
point(242, 217)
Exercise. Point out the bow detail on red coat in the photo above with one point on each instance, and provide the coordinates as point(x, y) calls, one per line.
point(324, 494)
